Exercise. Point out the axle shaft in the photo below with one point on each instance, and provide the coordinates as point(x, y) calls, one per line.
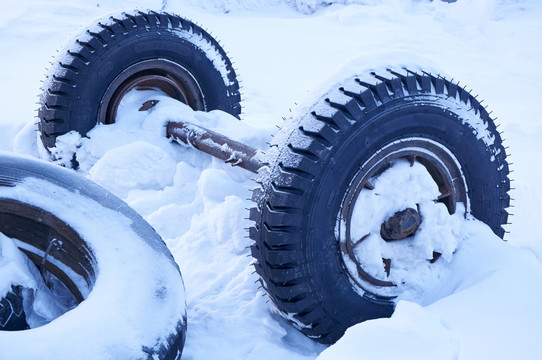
point(217, 145)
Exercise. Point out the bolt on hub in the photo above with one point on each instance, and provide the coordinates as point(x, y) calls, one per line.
point(401, 225)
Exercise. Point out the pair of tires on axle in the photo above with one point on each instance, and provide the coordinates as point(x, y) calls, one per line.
point(315, 169)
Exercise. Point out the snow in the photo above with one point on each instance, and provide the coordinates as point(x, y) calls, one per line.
point(288, 53)
point(414, 331)
point(14, 267)
point(491, 313)
point(135, 165)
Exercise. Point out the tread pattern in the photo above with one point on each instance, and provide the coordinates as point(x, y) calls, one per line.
point(64, 77)
point(12, 316)
point(282, 194)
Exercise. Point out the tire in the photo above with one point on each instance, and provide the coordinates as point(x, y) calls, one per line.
point(128, 290)
point(12, 316)
point(319, 162)
point(84, 87)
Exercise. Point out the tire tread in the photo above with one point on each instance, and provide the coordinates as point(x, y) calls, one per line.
point(276, 246)
point(66, 74)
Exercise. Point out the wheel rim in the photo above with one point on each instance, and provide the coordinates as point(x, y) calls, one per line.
point(51, 244)
point(445, 171)
point(167, 76)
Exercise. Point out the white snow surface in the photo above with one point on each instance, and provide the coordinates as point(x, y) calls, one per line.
point(287, 53)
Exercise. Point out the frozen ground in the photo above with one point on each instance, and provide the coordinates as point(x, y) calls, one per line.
point(489, 308)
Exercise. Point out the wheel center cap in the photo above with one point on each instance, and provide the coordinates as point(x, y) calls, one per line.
point(401, 225)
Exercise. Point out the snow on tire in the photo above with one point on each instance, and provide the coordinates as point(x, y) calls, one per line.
point(314, 220)
point(134, 50)
point(130, 301)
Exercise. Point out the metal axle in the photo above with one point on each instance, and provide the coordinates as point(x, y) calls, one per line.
point(212, 143)
point(215, 144)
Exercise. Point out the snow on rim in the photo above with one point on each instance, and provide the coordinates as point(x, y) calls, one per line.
point(403, 186)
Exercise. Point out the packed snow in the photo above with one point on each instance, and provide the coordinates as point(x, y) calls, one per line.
point(287, 52)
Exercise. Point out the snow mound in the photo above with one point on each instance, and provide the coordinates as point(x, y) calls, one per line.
point(419, 333)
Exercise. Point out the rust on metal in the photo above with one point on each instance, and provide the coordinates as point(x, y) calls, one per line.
point(154, 74)
point(401, 225)
point(387, 266)
point(148, 104)
point(215, 144)
point(57, 244)
point(436, 256)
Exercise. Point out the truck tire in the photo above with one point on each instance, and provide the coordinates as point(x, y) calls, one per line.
point(143, 49)
point(126, 284)
point(318, 164)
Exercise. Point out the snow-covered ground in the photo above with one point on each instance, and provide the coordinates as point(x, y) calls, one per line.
point(283, 51)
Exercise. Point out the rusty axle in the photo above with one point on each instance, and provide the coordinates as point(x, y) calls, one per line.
point(215, 144)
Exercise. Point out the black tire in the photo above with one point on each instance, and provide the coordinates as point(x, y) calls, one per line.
point(86, 84)
point(315, 162)
point(40, 202)
point(12, 316)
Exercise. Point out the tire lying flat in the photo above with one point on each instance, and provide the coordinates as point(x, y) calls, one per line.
point(128, 286)
point(142, 50)
point(317, 164)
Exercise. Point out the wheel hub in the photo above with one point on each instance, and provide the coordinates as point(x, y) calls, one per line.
point(401, 225)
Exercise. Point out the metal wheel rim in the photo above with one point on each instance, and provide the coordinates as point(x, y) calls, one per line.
point(443, 167)
point(167, 76)
point(71, 261)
